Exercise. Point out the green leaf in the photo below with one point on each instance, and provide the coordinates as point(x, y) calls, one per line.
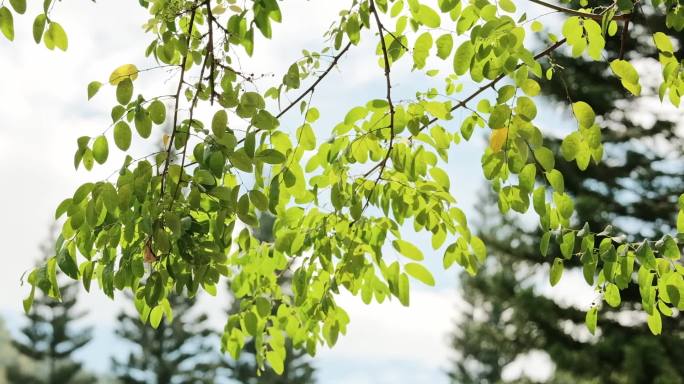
point(530, 87)
point(312, 115)
point(564, 204)
point(571, 146)
point(276, 360)
point(463, 57)
point(219, 123)
point(544, 243)
point(408, 250)
point(259, 200)
point(93, 87)
point(157, 111)
point(591, 319)
point(556, 271)
point(241, 161)
point(143, 123)
point(355, 114)
point(555, 178)
point(612, 295)
point(307, 138)
point(537, 26)
point(403, 290)
point(441, 177)
point(545, 158)
point(39, 27)
point(100, 149)
point(445, 44)
point(19, 6)
point(126, 71)
point(421, 49)
point(526, 177)
point(500, 114)
point(526, 108)
point(655, 323)
point(420, 273)
point(28, 301)
point(479, 248)
point(156, 316)
point(507, 5)
point(584, 114)
point(670, 250)
point(567, 245)
point(627, 74)
point(56, 37)
point(6, 23)
point(291, 79)
point(124, 91)
point(271, 156)
point(428, 17)
point(662, 42)
point(122, 135)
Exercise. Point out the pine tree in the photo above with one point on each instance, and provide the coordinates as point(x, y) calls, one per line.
point(630, 189)
point(49, 341)
point(178, 352)
point(298, 369)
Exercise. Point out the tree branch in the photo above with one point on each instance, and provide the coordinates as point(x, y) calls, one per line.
point(388, 85)
point(318, 80)
point(492, 83)
point(177, 104)
point(210, 52)
point(594, 16)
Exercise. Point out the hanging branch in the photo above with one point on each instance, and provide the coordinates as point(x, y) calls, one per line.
point(181, 81)
point(388, 85)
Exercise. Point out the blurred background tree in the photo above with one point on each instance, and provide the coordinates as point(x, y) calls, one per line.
point(179, 352)
point(48, 341)
point(298, 369)
point(633, 189)
point(9, 356)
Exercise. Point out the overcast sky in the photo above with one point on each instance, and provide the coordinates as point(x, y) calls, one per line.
point(43, 109)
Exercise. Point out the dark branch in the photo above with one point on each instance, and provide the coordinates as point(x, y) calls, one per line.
point(594, 16)
point(492, 83)
point(318, 80)
point(176, 107)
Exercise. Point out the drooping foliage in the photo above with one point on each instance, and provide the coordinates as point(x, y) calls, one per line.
point(343, 195)
point(631, 191)
point(297, 368)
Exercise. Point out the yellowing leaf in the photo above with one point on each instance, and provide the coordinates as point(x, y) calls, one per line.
point(129, 71)
point(498, 139)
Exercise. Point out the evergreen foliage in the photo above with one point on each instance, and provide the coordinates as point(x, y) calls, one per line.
point(630, 191)
point(180, 352)
point(49, 341)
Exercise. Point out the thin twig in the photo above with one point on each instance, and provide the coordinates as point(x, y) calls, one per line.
point(594, 16)
point(176, 107)
point(388, 96)
point(492, 83)
point(315, 83)
point(210, 52)
point(624, 37)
